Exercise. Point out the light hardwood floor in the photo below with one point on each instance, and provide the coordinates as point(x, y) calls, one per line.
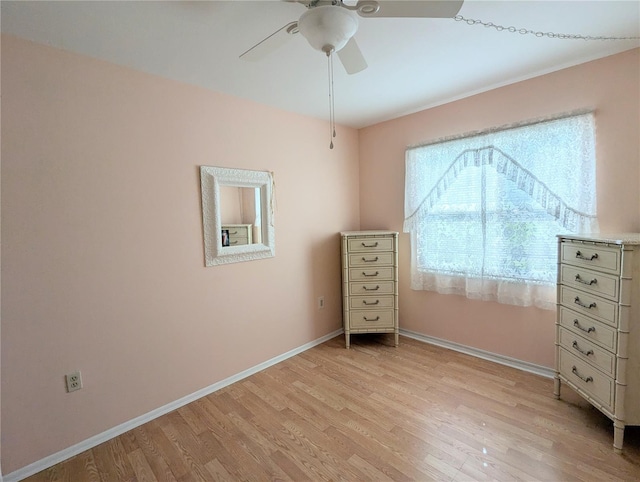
point(413, 413)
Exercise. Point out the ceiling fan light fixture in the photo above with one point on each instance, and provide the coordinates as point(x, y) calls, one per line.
point(328, 27)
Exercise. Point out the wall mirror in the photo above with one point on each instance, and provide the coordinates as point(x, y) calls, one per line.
point(237, 215)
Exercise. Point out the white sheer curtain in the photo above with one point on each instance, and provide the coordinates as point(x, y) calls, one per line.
point(483, 210)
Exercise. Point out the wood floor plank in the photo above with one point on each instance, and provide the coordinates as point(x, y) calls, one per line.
point(292, 443)
point(217, 471)
point(417, 412)
point(191, 452)
point(128, 442)
point(440, 452)
point(336, 455)
point(112, 461)
point(153, 454)
point(189, 439)
point(237, 442)
point(274, 398)
point(407, 458)
point(242, 439)
point(257, 446)
point(213, 413)
point(57, 473)
point(509, 431)
point(141, 466)
point(363, 450)
point(369, 471)
point(289, 466)
point(231, 456)
point(167, 450)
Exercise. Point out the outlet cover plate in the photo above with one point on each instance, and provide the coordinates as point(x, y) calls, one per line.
point(74, 381)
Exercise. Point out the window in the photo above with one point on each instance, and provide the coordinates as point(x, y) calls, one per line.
point(484, 210)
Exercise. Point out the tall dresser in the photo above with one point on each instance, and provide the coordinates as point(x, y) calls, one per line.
point(598, 324)
point(369, 282)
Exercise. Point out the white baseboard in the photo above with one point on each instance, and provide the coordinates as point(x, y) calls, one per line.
point(485, 355)
point(96, 440)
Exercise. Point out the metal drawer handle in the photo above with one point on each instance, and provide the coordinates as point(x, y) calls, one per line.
point(579, 255)
point(574, 370)
point(580, 303)
point(577, 347)
point(373, 319)
point(364, 302)
point(375, 274)
point(369, 260)
point(233, 242)
point(235, 232)
point(576, 323)
point(374, 245)
point(580, 280)
point(370, 289)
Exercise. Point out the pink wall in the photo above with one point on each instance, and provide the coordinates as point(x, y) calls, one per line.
point(611, 86)
point(102, 248)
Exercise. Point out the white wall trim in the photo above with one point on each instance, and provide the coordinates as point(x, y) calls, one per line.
point(91, 442)
point(485, 355)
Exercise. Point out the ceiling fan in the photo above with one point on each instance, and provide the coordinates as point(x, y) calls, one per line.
point(330, 25)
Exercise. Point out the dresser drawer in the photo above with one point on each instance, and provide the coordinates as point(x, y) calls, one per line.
point(376, 319)
point(237, 231)
point(373, 259)
point(370, 274)
point(591, 329)
point(589, 352)
point(590, 281)
point(596, 384)
point(370, 244)
point(603, 258)
point(237, 240)
point(377, 288)
point(371, 302)
point(590, 305)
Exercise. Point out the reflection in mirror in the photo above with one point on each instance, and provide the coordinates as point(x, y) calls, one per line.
point(237, 215)
point(240, 215)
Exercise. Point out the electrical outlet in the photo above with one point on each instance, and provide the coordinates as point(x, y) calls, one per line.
point(320, 302)
point(74, 381)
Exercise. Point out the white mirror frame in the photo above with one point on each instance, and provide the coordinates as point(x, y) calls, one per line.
point(211, 179)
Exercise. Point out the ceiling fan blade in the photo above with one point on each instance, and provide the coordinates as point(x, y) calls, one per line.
point(274, 41)
point(351, 57)
point(409, 8)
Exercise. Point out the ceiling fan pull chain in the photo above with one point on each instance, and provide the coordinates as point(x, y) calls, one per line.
point(333, 99)
point(332, 127)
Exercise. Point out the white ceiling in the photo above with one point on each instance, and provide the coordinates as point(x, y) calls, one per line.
point(413, 63)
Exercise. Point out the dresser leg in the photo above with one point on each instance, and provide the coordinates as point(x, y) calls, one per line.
point(397, 336)
point(556, 387)
point(618, 436)
point(346, 339)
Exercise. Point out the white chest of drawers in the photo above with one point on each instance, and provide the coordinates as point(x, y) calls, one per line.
point(598, 324)
point(239, 234)
point(370, 282)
